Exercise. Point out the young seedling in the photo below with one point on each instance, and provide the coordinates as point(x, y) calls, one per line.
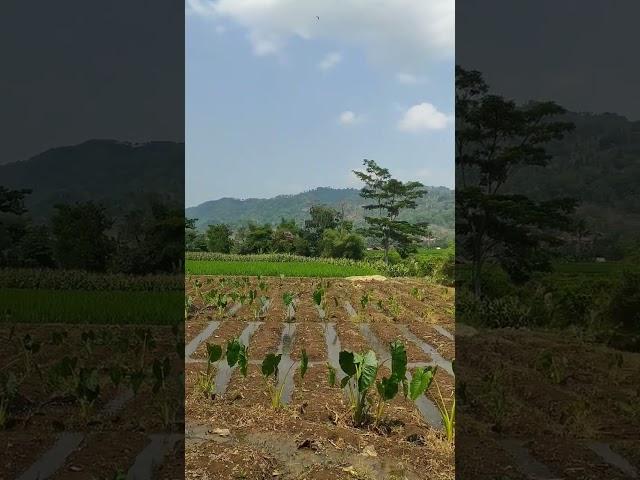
point(161, 370)
point(417, 294)
point(364, 300)
point(288, 299)
point(87, 390)
point(361, 371)
point(394, 309)
point(8, 391)
point(388, 386)
point(30, 347)
point(264, 304)
point(553, 367)
point(448, 415)
point(238, 354)
point(320, 300)
point(269, 369)
point(206, 380)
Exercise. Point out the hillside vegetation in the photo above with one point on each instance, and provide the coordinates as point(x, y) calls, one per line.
point(436, 208)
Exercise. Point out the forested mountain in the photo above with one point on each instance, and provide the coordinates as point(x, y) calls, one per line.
point(597, 164)
point(436, 208)
point(116, 174)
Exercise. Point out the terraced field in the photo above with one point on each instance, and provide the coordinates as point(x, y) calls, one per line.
point(91, 401)
point(234, 432)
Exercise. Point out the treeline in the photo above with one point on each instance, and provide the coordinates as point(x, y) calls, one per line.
point(84, 236)
point(325, 234)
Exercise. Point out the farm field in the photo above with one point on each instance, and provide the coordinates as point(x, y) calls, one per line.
point(546, 405)
point(91, 374)
point(235, 430)
point(274, 269)
point(90, 401)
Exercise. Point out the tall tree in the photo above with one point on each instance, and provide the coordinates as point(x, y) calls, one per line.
point(12, 201)
point(322, 217)
point(219, 238)
point(80, 236)
point(494, 137)
point(389, 197)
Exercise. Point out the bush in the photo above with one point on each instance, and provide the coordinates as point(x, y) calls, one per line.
point(340, 244)
point(624, 307)
point(492, 312)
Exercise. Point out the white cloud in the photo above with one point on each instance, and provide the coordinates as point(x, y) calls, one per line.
point(349, 118)
point(408, 78)
point(405, 33)
point(423, 117)
point(329, 61)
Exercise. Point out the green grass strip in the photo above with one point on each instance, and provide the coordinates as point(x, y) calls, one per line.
point(271, 269)
point(115, 307)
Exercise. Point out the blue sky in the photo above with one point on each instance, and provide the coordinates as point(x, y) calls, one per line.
point(279, 101)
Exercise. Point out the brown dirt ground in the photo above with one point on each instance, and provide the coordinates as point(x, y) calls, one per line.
point(405, 446)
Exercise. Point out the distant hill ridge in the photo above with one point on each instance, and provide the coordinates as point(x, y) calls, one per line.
point(114, 173)
point(436, 208)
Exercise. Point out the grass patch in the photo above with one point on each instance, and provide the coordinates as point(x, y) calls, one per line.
point(99, 307)
point(271, 269)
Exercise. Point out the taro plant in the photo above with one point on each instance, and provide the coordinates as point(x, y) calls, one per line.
point(361, 372)
point(87, 389)
point(553, 367)
point(206, 381)
point(417, 294)
point(448, 415)
point(275, 386)
point(8, 391)
point(264, 304)
point(236, 354)
point(365, 299)
point(288, 299)
point(319, 298)
point(161, 370)
point(393, 307)
point(30, 347)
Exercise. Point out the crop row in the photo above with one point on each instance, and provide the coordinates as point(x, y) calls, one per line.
point(360, 374)
point(49, 279)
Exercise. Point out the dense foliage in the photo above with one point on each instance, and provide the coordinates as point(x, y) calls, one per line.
point(436, 208)
point(84, 236)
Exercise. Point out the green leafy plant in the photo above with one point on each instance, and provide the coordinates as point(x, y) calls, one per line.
point(388, 386)
point(30, 347)
point(288, 299)
point(87, 389)
point(206, 380)
point(361, 371)
point(238, 354)
point(264, 304)
point(553, 367)
point(161, 370)
point(448, 415)
point(360, 374)
point(320, 300)
point(365, 299)
point(8, 391)
point(496, 399)
point(270, 370)
point(417, 294)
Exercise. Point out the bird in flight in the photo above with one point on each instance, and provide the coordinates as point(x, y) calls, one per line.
point(317, 17)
